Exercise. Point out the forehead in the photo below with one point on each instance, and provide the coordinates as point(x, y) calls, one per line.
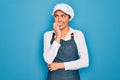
point(57, 12)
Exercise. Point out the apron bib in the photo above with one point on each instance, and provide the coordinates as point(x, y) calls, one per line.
point(67, 52)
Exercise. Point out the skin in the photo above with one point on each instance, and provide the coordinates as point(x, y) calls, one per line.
point(61, 29)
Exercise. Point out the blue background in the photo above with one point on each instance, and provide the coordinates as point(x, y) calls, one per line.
point(23, 23)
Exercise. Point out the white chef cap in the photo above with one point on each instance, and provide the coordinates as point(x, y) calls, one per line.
point(65, 8)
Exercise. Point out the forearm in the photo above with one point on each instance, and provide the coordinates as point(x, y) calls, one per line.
point(51, 52)
point(77, 64)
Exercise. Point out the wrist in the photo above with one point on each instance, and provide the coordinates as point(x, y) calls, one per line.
point(58, 36)
point(61, 65)
point(58, 39)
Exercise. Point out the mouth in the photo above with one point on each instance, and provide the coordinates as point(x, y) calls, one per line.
point(60, 24)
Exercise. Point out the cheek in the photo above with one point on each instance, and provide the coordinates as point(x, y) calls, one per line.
point(55, 20)
point(66, 21)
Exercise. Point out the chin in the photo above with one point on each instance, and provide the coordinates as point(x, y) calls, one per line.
point(61, 27)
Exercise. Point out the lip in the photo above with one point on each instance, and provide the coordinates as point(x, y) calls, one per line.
point(60, 24)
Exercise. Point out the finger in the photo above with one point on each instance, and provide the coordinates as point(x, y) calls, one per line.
point(56, 25)
point(51, 70)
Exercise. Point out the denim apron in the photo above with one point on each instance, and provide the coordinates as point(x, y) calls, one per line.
point(67, 52)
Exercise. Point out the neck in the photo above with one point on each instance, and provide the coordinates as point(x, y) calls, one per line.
point(65, 31)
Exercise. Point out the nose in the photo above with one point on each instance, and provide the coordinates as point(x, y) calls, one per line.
point(59, 19)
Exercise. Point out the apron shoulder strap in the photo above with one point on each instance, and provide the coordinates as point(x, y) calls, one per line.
point(72, 36)
point(53, 35)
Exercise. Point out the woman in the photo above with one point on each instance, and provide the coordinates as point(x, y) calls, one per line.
point(65, 50)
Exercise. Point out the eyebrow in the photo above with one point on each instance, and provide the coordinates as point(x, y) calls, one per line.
point(61, 14)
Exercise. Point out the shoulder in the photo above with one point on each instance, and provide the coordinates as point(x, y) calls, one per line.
point(78, 36)
point(77, 32)
point(48, 33)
